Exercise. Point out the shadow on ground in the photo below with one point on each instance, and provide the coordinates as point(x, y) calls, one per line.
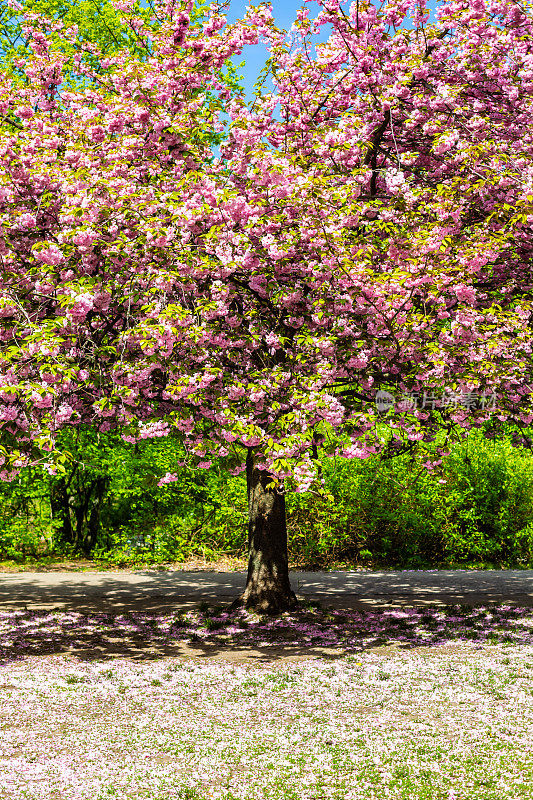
point(154, 614)
point(215, 633)
point(115, 592)
point(163, 591)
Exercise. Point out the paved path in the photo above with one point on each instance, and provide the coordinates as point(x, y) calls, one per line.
point(160, 590)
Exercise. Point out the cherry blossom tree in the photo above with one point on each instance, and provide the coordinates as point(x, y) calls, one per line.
point(362, 231)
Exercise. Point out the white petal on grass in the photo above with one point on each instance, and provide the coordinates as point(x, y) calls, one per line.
point(413, 725)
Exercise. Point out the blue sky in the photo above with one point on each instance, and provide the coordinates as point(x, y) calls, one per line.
point(284, 12)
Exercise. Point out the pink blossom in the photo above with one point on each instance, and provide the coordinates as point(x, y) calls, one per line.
point(169, 477)
point(50, 254)
point(465, 293)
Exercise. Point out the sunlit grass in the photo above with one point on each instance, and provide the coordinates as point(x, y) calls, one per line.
point(445, 715)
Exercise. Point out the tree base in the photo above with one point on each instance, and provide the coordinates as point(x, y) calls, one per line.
point(271, 603)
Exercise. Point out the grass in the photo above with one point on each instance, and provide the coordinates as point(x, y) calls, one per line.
point(220, 563)
point(443, 711)
point(61, 563)
point(437, 727)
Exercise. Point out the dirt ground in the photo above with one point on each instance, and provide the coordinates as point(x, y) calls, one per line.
point(74, 588)
point(226, 564)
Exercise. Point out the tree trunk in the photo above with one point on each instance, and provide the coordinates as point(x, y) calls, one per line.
point(59, 504)
point(268, 589)
point(93, 517)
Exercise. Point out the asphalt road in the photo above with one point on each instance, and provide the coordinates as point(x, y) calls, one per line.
point(162, 590)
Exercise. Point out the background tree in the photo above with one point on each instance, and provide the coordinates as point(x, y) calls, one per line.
point(364, 228)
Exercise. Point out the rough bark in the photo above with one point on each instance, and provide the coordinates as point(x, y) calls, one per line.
point(88, 514)
point(59, 504)
point(93, 520)
point(268, 588)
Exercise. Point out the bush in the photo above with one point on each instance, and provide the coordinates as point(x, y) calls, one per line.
point(477, 510)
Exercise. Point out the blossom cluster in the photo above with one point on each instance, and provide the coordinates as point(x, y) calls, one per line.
point(176, 261)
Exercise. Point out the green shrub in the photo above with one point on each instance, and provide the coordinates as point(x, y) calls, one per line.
point(477, 510)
